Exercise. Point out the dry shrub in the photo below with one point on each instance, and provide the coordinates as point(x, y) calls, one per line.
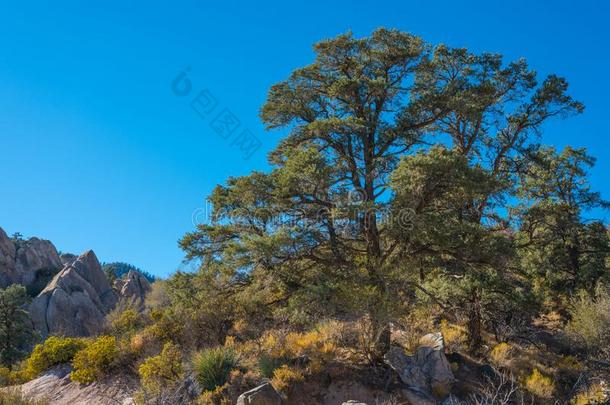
point(313, 349)
point(499, 390)
point(501, 354)
point(594, 394)
point(539, 384)
point(16, 397)
point(589, 326)
point(455, 336)
point(284, 378)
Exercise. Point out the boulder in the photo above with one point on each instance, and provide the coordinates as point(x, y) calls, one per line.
point(55, 387)
point(427, 374)
point(133, 287)
point(76, 300)
point(21, 262)
point(262, 395)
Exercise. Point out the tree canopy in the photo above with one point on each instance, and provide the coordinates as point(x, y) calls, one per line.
point(407, 166)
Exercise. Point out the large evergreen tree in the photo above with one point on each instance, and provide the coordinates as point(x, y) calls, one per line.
point(357, 201)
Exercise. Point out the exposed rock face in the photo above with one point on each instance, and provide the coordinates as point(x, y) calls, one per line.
point(76, 300)
point(262, 395)
point(20, 263)
point(67, 258)
point(56, 387)
point(426, 374)
point(133, 286)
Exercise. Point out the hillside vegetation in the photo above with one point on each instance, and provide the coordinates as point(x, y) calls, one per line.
point(411, 194)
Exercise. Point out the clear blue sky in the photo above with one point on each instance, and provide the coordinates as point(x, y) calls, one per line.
point(97, 152)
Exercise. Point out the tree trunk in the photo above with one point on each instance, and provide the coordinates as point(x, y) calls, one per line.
point(474, 323)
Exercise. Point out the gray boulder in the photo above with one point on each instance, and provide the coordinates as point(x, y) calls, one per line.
point(76, 300)
point(427, 374)
point(262, 395)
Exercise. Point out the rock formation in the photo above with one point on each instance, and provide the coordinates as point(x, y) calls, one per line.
point(56, 387)
point(133, 287)
point(27, 261)
point(67, 258)
point(262, 395)
point(427, 374)
point(76, 300)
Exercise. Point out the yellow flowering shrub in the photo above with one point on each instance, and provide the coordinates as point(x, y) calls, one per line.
point(539, 384)
point(501, 353)
point(93, 361)
point(54, 351)
point(318, 346)
point(159, 371)
point(455, 336)
point(284, 378)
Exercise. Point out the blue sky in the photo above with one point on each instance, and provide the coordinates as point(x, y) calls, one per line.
point(97, 152)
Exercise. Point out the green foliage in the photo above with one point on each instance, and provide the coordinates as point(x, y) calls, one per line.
point(358, 211)
point(212, 367)
point(54, 351)
point(16, 331)
point(561, 251)
point(267, 364)
point(117, 270)
point(124, 321)
point(158, 371)
point(18, 239)
point(95, 360)
point(205, 301)
point(589, 325)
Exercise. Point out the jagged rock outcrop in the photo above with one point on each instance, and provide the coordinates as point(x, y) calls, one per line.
point(427, 374)
point(76, 300)
point(24, 262)
point(133, 287)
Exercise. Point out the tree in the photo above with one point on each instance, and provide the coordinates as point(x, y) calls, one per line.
point(559, 247)
point(322, 225)
point(16, 331)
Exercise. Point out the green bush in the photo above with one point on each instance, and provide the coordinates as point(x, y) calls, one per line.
point(95, 360)
point(589, 325)
point(54, 351)
point(124, 321)
point(157, 371)
point(213, 366)
point(267, 364)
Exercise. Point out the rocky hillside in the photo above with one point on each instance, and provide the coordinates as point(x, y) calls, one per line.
point(26, 261)
point(71, 294)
